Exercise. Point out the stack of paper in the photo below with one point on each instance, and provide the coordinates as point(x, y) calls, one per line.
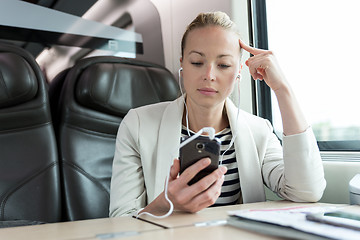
point(290, 222)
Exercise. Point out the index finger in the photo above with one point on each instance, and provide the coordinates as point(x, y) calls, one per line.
point(192, 170)
point(175, 169)
point(252, 50)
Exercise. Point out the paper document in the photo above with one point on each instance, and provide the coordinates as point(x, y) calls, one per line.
point(295, 218)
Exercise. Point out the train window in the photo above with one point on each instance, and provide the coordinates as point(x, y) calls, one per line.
point(316, 43)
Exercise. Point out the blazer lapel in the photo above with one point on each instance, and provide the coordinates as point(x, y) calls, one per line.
point(168, 142)
point(246, 156)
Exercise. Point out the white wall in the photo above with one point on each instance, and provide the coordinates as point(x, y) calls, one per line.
point(175, 15)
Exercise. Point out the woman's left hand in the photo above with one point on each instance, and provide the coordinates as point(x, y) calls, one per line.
point(264, 66)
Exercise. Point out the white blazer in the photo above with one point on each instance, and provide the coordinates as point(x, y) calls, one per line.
point(149, 137)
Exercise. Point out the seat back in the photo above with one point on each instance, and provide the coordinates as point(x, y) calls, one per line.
point(29, 170)
point(96, 95)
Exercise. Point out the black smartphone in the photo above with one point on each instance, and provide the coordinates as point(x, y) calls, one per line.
point(200, 147)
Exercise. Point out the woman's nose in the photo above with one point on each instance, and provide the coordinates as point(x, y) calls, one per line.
point(210, 73)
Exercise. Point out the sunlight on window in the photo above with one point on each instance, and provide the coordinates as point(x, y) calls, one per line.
point(317, 45)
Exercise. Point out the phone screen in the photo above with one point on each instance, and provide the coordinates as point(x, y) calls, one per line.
point(200, 147)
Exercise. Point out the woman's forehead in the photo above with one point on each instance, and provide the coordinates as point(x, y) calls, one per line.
point(212, 39)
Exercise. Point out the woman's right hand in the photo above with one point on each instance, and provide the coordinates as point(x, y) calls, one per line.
point(199, 195)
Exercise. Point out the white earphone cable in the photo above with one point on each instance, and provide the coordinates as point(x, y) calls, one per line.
point(186, 110)
point(211, 132)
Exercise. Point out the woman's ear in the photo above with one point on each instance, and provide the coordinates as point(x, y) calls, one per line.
point(239, 73)
point(181, 64)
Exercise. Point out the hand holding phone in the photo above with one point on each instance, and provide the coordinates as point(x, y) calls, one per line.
point(200, 147)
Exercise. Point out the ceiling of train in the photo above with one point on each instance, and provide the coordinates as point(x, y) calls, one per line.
point(68, 30)
point(76, 8)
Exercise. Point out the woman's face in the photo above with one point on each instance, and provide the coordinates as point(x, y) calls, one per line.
point(211, 64)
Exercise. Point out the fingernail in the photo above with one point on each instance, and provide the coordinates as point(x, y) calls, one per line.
point(223, 169)
point(206, 161)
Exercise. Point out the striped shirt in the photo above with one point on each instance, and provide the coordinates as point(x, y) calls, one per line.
point(230, 190)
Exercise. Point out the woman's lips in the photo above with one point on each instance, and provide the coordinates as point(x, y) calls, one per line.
point(207, 91)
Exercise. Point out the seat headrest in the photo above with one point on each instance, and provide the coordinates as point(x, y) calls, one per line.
point(18, 83)
point(115, 88)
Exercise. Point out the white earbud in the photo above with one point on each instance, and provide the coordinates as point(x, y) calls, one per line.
point(180, 70)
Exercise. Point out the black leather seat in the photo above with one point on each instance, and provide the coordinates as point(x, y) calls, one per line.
point(96, 95)
point(29, 170)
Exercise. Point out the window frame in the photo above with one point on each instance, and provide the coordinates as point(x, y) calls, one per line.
point(258, 37)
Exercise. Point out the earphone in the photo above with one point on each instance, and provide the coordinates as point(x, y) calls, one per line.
point(211, 135)
point(237, 115)
point(211, 132)
point(182, 94)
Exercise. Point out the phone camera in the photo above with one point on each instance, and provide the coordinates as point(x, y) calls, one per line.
point(200, 146)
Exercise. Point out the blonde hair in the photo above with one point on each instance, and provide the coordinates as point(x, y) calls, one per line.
point(219, 19)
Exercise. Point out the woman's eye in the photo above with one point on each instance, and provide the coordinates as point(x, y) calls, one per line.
point(197, 63)
point(224, 66)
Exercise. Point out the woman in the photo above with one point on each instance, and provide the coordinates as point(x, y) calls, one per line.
point(149, 137)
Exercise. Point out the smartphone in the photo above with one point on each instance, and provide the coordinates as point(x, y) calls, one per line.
point(200, 147)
